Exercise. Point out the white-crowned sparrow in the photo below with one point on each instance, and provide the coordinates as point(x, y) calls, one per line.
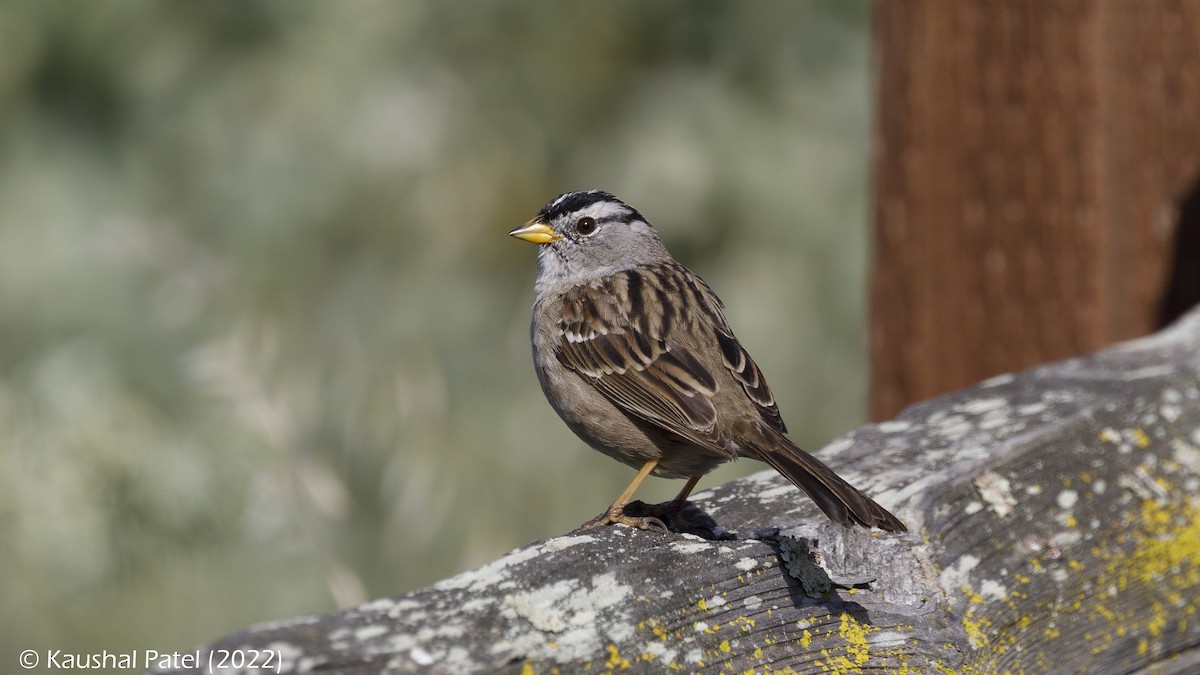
point(633, 352)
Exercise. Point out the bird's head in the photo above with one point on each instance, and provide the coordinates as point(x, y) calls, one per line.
point(589, 234)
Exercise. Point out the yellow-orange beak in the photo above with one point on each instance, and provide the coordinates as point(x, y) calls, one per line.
point(535, 232)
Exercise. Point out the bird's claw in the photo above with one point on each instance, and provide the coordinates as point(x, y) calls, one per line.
point(619, 518)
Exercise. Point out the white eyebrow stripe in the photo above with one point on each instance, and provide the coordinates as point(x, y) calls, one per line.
point(604, 211)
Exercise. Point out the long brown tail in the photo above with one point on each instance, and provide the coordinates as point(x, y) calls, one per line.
point(841, 501)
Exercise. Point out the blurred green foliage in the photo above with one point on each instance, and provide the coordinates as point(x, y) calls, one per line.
point(264, 338)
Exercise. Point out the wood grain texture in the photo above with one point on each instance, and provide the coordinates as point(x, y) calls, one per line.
point(1031, 159)
point(1055, 527)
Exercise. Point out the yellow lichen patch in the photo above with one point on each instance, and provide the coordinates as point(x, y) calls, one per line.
point(1103, 612)
point(1158, 619)
point(1170, 546)
point(527, 669)
point(856, 650)
point(1140, 438)
point(702, 604)
point(615, 660)
point(745, 622)
point(806, 639)
point(977, 630)
point(1163, 484)
point(1147, 570)
point(855, 635)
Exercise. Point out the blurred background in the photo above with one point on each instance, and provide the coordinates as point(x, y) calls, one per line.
point(265, 345)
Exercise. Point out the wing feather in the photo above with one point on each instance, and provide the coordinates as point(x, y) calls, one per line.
point(619, 333)
point(746, 371)
point(613, 336)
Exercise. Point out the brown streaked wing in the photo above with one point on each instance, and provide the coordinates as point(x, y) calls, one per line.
point(744, 370)
point(735, 357)
point(612, 337)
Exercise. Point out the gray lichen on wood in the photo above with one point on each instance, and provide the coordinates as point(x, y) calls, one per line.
point(1054, 526)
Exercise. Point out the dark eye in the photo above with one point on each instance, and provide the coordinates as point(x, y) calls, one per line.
point(585, 225)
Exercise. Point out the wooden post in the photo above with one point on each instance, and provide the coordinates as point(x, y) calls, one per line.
point(1032, 158)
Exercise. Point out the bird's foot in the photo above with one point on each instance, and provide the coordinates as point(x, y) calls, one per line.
point(616, 516)
point(665, 517)
point(684, 518)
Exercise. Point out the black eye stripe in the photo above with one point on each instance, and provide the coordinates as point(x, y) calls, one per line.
point(606, 219)
point(573, 231)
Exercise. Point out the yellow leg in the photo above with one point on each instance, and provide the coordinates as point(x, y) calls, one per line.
point(623, 498)
point(616, 513)
point(681, 498)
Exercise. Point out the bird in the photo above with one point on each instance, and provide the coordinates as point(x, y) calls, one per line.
point(634, 353)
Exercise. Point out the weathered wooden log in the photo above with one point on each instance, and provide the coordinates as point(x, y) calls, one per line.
point(1055, 527)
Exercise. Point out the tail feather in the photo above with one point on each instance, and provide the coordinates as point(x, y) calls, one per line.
point(841, 501)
